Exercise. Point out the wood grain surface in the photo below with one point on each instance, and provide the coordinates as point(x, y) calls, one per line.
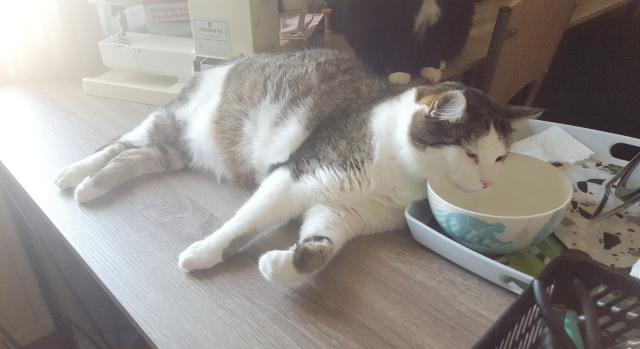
point(381, 291)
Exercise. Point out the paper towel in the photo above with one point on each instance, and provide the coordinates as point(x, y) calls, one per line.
point(556, 145)
point(553, 144)
point(612, 241)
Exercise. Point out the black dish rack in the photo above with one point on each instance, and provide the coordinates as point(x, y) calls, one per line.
point(574, 303)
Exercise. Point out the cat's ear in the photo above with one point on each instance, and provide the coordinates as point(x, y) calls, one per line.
point(518, 114)
point(514, 112)
point(449, 105)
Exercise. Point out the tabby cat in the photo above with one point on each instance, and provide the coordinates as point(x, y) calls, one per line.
point(323, 138)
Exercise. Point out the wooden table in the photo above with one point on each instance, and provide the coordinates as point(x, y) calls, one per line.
point(381, 291)
point(484, 19)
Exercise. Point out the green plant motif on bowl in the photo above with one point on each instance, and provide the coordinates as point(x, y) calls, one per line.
point(549, 227)
point(473, 232)
point(489, 238)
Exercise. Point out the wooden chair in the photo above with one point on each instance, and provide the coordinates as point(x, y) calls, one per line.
point(525, 38)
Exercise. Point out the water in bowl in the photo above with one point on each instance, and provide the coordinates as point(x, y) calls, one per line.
point(526, 186)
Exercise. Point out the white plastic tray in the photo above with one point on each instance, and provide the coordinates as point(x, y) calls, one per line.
point(425, 230)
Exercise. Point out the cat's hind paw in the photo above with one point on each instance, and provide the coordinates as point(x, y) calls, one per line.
point(399, 78)
point(433, 75)
point(69, 177)
point(200, 255)
point(277, 266)
point(87, 191)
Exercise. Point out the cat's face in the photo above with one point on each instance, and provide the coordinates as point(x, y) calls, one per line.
point(468, 132)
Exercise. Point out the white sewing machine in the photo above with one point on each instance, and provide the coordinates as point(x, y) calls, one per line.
point(151, 60)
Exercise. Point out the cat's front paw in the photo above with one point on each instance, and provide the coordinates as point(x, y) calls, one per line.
point(431, 74)
point(70, 177)
point(200, 255)
point(277, 266)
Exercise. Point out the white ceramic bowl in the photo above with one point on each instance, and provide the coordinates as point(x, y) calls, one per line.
point(523, 208)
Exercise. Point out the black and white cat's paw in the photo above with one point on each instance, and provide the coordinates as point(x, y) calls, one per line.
point(428, 15)
point(200, 255)
point(277, 266)
point(433, 75)
point(399, 78)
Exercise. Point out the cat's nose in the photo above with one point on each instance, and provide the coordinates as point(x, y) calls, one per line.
point(486, 183)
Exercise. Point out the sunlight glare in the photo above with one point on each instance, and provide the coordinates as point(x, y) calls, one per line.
point(26, 21)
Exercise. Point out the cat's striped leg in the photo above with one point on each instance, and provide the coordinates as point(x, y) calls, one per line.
point(70, 176)
point(278, 199)
point(129, 164)
point(325, 230)
point(159, 129)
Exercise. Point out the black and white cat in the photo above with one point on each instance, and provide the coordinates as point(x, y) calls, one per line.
point(400, 38)
point(322, 137)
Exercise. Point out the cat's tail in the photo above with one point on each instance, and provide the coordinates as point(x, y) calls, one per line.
point(153, 146)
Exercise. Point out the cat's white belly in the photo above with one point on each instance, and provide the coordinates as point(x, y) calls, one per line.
point(268, 138)
point(281, 144)
point(267, 142)
point(198, 114)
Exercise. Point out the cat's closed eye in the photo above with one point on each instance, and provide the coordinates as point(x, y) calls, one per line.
point(501, 158)
point(472, 156)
